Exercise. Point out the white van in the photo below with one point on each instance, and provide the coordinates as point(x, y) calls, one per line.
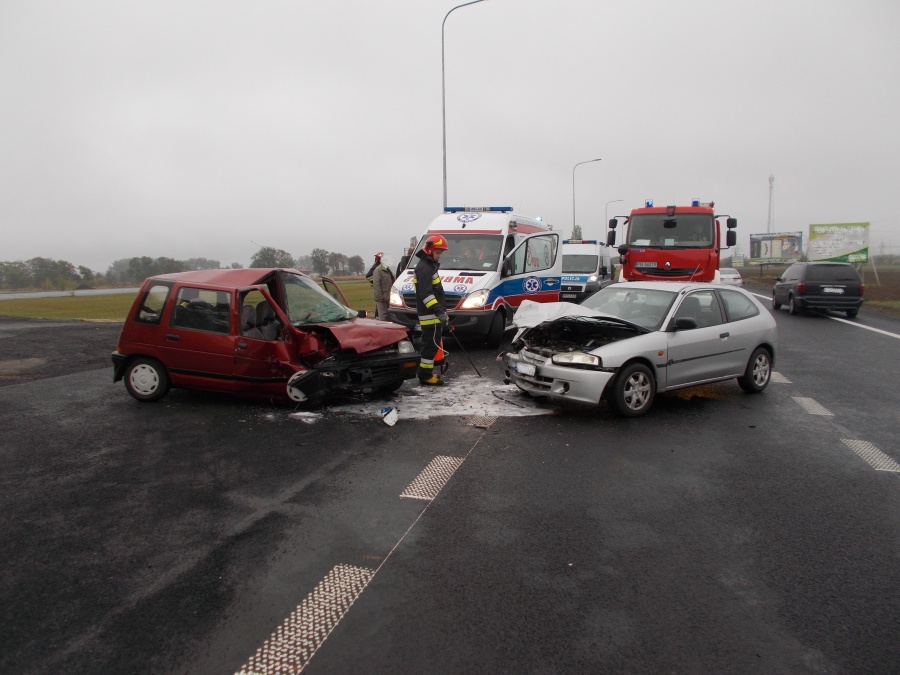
point(496, 259)
point(587, 267)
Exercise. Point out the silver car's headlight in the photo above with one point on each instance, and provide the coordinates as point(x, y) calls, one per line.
point(405, 347)
point(476, 300)
point(396, 298)
point(577, 359)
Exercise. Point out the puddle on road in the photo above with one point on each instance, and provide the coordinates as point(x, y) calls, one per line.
point(465, 395)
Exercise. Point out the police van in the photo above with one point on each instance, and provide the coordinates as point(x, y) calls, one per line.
point(495, 260)
point(586, 268)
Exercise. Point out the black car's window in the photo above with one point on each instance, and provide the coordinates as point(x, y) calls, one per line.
point(793, 273)
point(832, 273)
point(202, 309)
point(151, 307)
point(702, 307)
point(738, 306)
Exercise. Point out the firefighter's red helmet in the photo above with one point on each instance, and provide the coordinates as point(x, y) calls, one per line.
point(434, 243)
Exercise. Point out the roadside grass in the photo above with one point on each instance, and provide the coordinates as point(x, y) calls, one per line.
point(114, 307)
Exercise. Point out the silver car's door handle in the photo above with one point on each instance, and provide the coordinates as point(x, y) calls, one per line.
point(724, 335)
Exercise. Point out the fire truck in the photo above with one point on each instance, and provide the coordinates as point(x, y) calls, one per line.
point(672, 243)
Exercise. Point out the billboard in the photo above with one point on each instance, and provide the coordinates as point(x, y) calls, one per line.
point(776, 247)
point(839, 242)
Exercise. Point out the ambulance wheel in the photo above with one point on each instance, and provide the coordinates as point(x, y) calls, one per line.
point(495, 332)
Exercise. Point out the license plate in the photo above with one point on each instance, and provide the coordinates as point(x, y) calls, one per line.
point(567, 296)
point(645, 264)
point(833, 290)
point(525, 369)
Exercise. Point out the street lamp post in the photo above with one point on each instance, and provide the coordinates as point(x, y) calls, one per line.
point(444, 93)
point(573, 186)
point(606, 210)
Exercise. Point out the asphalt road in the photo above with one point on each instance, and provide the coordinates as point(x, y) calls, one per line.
point(723, 532)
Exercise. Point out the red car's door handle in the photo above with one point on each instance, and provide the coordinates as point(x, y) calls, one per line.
point(172, 336)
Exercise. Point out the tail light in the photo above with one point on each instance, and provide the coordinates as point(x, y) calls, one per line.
point(862, 289)
point(801, 287)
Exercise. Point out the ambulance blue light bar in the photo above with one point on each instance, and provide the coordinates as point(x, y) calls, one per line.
point(457, 209)
point(648, 202)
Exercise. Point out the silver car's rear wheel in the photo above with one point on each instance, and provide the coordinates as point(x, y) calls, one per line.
point(633, 391)
point(758, 373)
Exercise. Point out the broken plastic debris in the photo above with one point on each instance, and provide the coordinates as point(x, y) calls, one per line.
point(389, 415)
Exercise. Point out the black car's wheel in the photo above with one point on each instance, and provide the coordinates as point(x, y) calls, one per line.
point(758, 373)
point(633, 391)
point(851, 313)
point(775, 303)
point(146, 379)
point(495, 333)
point(793, 307)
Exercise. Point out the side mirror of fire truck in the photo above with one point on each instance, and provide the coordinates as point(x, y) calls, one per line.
point(731, 238)
point(611, 238)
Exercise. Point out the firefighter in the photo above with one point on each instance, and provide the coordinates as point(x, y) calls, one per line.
point(430, 306)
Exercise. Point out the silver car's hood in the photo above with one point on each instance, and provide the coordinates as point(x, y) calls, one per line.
point(531, 314)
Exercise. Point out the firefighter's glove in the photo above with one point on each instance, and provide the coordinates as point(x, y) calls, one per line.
point(444, 319)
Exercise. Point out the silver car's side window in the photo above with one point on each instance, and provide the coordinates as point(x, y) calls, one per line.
point(738, 306)
point(702, 307)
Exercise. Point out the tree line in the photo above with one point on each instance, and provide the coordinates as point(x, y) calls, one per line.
point(49, 274)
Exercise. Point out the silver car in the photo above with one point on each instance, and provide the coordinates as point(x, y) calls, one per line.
point(629, 341)
point(730, 277)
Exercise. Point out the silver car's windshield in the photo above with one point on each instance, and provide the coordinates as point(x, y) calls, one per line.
point(308, 303)
point(640, 306)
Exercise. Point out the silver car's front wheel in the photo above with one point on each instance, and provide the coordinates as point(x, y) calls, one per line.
point(633, 390)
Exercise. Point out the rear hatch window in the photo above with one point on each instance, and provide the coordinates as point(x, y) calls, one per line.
point(832, 279)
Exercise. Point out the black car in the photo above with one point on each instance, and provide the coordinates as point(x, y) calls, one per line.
point(819, 285)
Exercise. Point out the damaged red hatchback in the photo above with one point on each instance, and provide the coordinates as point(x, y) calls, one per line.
point(271, 333)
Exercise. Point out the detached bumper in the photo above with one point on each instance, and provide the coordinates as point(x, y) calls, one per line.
point(342, 376)
point(555, 382)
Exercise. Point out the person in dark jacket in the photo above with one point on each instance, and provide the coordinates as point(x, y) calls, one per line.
point(430, 307)
point(374, 266)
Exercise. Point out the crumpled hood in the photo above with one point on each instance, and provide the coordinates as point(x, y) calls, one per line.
point(364, 335)
point(531, 314)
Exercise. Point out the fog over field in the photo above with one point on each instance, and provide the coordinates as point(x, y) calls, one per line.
point(211, 129)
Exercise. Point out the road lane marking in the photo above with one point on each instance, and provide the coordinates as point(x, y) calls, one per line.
point(780, 379)
point(872, 455)
point(292, 645)
point(428, 484)
point(811, 406)
point(846, 321)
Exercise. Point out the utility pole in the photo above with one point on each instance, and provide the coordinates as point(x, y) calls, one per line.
point(771, 204)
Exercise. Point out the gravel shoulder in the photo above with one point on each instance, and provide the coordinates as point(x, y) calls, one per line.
point(34, 349)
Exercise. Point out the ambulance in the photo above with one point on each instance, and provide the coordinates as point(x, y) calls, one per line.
point(495, 260)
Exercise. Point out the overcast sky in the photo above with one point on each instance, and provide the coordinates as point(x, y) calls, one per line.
point(208, 129)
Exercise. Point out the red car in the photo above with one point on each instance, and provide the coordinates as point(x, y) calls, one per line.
point(270, 333)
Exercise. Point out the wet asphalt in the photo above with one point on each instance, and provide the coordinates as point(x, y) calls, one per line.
point(723, 532)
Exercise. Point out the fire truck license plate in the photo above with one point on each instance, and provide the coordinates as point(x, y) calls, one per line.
point(645, 264)
point(525, 369)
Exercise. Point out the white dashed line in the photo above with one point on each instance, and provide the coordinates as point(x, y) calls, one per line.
point(778, 378)
point(291, 647)
point(875, 457)
point(428, 483)
point(811, 406)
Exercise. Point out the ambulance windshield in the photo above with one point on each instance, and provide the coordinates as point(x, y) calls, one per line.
point(469, 252)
